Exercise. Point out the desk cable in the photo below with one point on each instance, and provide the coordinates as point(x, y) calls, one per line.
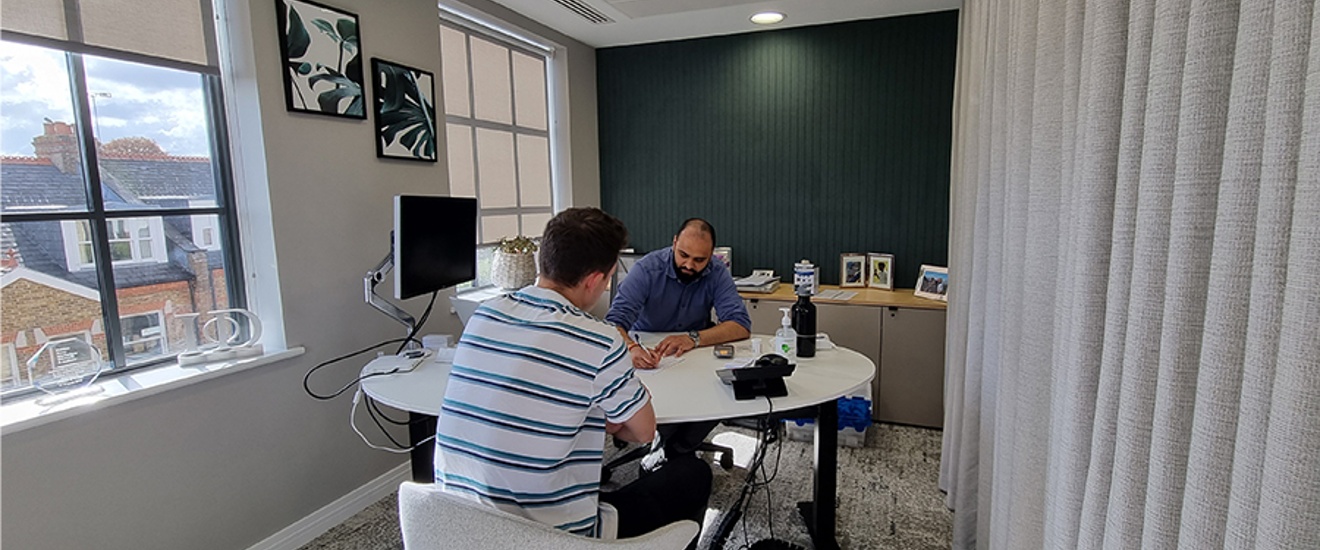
point(403, 343)
point(373, 409)
point(398, 448)
point(767, 434)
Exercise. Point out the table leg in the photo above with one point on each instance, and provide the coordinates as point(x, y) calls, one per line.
point(819, 513)
point(420, 427)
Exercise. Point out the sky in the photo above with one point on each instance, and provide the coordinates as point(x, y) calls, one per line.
point(132, 100)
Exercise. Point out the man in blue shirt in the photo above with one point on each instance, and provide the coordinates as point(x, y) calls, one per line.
point(673, 290)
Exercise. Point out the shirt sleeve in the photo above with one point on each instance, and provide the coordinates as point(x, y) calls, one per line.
point(629, 300)
point(729, 305)
point(619, 393)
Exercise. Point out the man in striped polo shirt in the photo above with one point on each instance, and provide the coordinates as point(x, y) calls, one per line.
point(537, 383)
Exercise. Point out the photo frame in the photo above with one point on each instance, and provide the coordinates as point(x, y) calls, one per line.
point(321, 49)
point(404, 100)
point(880, 271)
point(933, 283)
point(852, 269)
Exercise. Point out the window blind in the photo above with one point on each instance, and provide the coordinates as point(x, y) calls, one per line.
point(173, 33)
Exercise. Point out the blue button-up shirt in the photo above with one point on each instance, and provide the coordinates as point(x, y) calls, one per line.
point(652, 299)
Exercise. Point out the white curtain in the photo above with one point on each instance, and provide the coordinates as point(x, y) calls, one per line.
point(1134, 312)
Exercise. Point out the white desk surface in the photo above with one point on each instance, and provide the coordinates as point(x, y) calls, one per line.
point(684, 392)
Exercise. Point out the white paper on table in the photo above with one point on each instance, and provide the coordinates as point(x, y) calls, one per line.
point(668, 361)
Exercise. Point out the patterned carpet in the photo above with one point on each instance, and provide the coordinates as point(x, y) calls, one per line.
point(887, 497)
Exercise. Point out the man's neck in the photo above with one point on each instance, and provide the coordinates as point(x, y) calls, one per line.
point(574, 295)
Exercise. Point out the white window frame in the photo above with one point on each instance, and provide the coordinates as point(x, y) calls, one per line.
point(203, 223)
point(162, 336)
point(17, 370)
point(154, 226)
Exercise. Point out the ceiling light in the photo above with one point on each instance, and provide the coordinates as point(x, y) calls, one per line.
point(767, 18)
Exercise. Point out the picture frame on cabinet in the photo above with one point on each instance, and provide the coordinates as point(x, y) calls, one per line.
point(852, 269)
point(880, 271)
point(933, 283)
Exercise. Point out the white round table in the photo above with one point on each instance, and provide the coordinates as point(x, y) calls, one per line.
point(685, 391)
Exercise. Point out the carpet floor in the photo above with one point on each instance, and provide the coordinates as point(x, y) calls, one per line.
point(887, 497)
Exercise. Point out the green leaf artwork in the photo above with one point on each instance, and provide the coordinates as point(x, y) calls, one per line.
point(405, 111)
point(322, 61)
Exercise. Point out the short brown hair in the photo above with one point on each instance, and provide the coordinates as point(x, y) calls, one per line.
point(578, 242)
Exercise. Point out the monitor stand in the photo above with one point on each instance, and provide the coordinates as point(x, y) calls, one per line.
point(373, 278)
point(751, 389)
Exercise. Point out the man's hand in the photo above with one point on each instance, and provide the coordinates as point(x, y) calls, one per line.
point(675, 345)
point(643, 358)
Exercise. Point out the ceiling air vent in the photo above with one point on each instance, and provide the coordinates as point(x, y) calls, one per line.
point(585, 11)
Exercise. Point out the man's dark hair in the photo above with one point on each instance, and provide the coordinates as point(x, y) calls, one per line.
point(700, 225)
point(578, 242)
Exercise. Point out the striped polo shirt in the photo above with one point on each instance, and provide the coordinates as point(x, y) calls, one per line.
point(522, 427)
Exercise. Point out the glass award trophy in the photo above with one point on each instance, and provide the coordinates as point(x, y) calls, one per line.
point(65, 368)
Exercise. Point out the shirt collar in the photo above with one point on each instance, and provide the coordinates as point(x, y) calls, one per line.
point(547, 294)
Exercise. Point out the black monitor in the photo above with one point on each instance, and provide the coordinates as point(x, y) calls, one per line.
point(435, 243)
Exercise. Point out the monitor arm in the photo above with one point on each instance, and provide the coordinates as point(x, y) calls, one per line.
point(375, 277)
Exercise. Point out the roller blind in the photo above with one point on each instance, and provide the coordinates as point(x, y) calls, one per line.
point(176, 33)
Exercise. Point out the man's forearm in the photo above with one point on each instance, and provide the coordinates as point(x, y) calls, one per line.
point(728, 331)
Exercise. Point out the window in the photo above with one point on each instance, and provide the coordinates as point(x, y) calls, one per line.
point(205, 229)
point(144, 335)
point(498, 117)
point(117, 201)
point(131, 240)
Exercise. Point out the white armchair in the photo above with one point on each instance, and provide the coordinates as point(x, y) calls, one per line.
point(432, 519)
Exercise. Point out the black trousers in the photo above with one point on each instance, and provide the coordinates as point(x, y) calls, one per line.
point(684, 438)
point(678, 490)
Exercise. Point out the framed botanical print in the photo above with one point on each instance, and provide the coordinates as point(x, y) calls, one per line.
point(405, 111)
point(322, 59)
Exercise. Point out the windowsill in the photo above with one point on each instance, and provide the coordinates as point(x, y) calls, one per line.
point(481, 294)
point(31, 411)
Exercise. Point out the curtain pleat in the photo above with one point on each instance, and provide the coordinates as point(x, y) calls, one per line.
point(1133, 350)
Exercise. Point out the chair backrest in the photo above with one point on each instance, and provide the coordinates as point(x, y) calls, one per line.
point(432, 519)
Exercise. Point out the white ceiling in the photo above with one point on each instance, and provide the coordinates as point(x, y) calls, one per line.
point(643, 21)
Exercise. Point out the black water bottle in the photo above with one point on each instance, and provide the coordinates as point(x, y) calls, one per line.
point(804, 322)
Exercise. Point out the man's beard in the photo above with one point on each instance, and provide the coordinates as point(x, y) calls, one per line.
point(685, 277)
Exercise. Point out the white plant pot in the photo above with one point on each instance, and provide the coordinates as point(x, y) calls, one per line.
point(513, 271)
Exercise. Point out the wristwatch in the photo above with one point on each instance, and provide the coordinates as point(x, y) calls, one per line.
point(696, 338)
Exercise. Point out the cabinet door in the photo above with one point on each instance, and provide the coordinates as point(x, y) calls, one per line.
point(765, 315)
point(911, 381)
point(857, 328)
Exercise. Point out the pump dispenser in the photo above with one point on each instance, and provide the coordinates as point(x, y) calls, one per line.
point(786, 337)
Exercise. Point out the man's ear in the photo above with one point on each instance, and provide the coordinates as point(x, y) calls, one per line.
point(595, 279)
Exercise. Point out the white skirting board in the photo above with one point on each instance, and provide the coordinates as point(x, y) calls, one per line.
point(307, 529)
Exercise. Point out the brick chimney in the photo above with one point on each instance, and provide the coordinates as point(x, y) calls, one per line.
point(60, 145)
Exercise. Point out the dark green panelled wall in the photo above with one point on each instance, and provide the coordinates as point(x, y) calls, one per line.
point(797, 143)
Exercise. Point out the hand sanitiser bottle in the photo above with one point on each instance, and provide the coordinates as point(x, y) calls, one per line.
point(786, 337)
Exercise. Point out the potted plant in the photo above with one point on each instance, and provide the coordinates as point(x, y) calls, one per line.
point(515, 263)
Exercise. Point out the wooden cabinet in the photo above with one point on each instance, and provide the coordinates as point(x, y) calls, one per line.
point(905, 340)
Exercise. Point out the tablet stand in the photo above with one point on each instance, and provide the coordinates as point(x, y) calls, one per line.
point(757, 387)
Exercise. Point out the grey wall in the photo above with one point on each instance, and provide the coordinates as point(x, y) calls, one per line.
point(228, 462)
point(798, 143)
